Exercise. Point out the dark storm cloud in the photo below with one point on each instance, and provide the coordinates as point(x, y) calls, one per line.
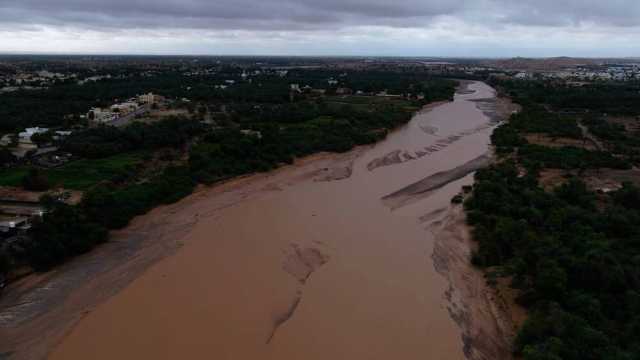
point(221, 14)
point(312, 14)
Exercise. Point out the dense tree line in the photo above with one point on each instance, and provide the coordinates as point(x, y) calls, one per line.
point(66, 231)
point(106, 141)
point(573, 253)
point(35, 180)
point(535, 118)
point(609, 97)
point(569, 157)
point(60, 104)
point(509, 137)
point(576, 265)
point(542, 112)
point(617, 138)
point(6, 157)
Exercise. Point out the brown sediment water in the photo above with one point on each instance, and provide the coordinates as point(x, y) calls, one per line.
point(328, 259)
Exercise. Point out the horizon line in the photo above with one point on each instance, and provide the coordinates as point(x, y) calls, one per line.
point(496, 57)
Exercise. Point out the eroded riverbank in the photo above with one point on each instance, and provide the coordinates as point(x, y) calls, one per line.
point(304, 262)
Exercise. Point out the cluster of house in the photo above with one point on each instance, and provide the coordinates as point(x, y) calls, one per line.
point(294, 88)
point(297, 89)
point(614, 72)
point(31, 80)
point(45, 153)
point(23, 144)
point(42, 80)
point(245, 74)
point(18, 210)
point(93, 79)
point(17, 220)
point(133, 106)
point(226, 84)
point(26, 137)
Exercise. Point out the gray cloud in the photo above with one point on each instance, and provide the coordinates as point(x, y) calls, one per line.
point(443, 19)
point(301, 14)
point(570, 12)
point(236, 14)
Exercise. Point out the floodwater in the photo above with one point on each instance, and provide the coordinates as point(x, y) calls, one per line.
point(310, 269)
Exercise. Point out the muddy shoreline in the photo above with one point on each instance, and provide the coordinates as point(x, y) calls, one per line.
point(133, 264)
point(484, 317)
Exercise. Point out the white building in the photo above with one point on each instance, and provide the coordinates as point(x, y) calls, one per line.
point(25, 136)
point(604, 76)
point(149, 98)
point(48, 75)
point(125, 107)
point(6, 140)
point(61, 134)
point(101, 115)
point(14, 223)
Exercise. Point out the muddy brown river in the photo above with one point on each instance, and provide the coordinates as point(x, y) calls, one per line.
point(328, 259)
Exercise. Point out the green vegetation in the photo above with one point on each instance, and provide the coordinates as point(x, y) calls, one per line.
point(607, 131)
point(113, 207)
point(80, 174)
point(573, 253)
point(13, 176)
point(576, 265)
point(534, 119)
point(6, 157)
point(65, 232)
point(106, 141)
point(35, 180)
point(618, 139)
point(83, 174)
point(569, 157)
point(611, 97)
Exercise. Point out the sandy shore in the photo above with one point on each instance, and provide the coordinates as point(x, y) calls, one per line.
point(306, 261)
point(486, 319)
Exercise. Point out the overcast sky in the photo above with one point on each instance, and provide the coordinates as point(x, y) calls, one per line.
point(470, 28)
